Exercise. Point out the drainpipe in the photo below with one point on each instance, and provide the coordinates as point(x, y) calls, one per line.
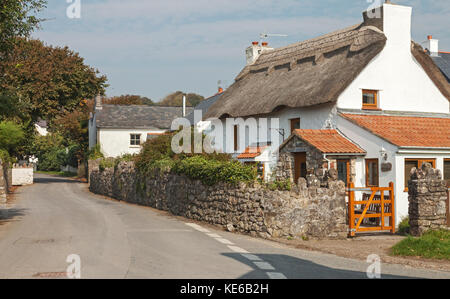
point(329, 162)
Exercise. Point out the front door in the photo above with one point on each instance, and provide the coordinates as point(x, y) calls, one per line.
point(343, 168)
point(300, 166)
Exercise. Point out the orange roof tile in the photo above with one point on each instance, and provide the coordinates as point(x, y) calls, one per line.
point(252, 152)
point(406, 131)
point(329, 141)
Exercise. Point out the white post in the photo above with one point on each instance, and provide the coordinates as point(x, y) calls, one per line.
point(184, 106)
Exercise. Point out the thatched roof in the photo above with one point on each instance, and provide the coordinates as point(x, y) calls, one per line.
point(304, 74)
point(432, 70)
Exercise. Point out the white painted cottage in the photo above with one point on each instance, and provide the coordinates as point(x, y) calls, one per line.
point(121, 130)
point(367, 100)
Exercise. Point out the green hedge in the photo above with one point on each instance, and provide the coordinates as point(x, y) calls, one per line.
point(211, 172)
point(211, 169)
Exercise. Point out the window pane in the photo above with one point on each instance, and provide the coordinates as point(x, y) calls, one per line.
point(369, 98)
point(408, 166)
point(342, 171)
point(447, 172)
point(372, 173)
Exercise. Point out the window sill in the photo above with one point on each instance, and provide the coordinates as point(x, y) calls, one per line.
point(135, 146)
point(372, 108)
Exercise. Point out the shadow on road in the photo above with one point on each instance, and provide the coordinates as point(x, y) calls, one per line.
point(51, 180)
point(8, 215)
point(295, 268)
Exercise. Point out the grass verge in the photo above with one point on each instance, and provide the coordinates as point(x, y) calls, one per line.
point(432, 245)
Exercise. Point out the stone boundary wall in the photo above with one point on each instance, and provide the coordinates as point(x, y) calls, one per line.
point(312, 212)
point(427, 200)
point(3, 182)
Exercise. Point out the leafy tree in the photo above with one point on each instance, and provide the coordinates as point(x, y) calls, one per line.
point(17, 18)
point(52, 152)
point(11, 135)
point(49, 81)
point(129, 100)
point(176, 99)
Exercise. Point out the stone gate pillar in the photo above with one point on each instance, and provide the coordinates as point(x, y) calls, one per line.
point(427, 200)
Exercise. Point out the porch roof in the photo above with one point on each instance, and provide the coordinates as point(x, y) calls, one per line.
point(252, 152)
point(406, 131)
point(328, 141)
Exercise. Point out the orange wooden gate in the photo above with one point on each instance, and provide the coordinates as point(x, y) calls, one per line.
point(374, 206)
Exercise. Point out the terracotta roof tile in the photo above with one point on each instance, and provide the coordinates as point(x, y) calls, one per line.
point(252, 152)
point(329, 141)
point(406, 131)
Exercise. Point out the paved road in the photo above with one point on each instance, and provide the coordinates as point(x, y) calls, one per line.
point(57, 217)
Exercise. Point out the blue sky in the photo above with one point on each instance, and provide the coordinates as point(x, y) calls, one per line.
point(154, 47)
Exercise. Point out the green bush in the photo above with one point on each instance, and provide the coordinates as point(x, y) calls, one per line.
point(433, 244)
point(95, 153)
point(5, 157)
point(11, 135)
point(403, 227)
point(211, 171)
point(107, 163)
point(285, 185)
point(53, 160)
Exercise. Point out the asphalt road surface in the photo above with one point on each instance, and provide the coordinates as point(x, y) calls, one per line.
point(56, 218)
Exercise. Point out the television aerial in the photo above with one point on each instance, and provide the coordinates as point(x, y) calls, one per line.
point(267, 35)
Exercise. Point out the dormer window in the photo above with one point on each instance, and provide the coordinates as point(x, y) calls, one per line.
point(370, 99)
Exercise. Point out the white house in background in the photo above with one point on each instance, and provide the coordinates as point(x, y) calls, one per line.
point(41, 127)
point(365, 100)
point(122, 130)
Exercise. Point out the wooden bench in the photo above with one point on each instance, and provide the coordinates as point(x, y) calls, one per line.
point(374, 209)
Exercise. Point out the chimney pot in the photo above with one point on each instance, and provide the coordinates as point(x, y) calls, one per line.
point(220, 89)
point(430, 37)
point(265, 44)
point(255, 43)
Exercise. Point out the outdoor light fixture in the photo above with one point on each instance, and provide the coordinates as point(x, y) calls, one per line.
point(384, 153)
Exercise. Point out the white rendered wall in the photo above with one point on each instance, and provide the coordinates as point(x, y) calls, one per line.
point(310, 118)
point(22, 176)
point(373, 146)
point(402, 83)
point(116, 142)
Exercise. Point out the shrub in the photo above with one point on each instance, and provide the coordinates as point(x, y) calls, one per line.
point(153, 150)
point(211, 171)
point(53, 160)
point(95, 153)
point(5, 157)
point(285, 185)
point(107, 163)
point(11, 135)
point(403, 227)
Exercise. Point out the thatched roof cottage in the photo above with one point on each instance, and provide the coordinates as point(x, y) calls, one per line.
point(366, 100)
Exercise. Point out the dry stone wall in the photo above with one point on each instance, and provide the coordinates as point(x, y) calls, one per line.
point(302, 212)
point(427, 200)
point(3, 183)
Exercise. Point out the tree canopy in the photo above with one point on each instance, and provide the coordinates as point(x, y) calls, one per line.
point(17, 19)
point(48, 81)
point(129, 100)
point(176, 99)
